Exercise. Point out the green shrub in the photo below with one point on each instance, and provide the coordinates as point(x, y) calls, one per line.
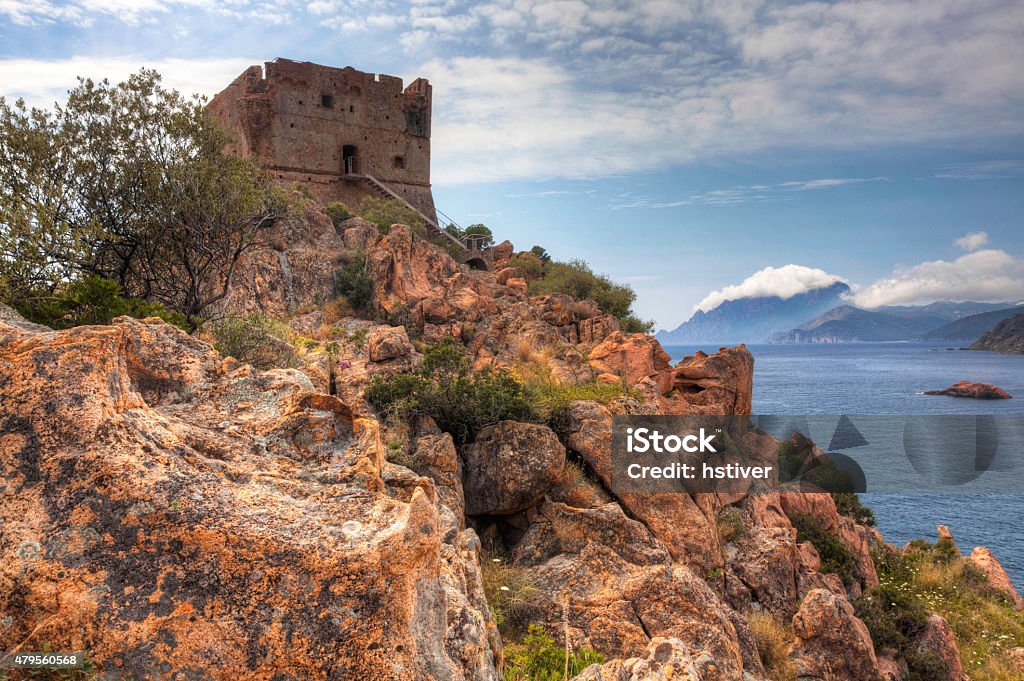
point(352, 282)
point(730, 524)
point(835, 557)
point(539, 658)
point(339, 212)
point(387, 212)
point(554, 399)
point(461, 401)
point(531, 268)
point(798, 463)
point(91, 300)
point(576, 279)
point(935, 578)
point(541, 253)
point(849, 504)
point(254, 339)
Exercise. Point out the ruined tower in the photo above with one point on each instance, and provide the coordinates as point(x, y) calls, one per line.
point(342, 133)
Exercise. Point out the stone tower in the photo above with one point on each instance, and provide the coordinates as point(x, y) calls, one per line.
point(340, 132)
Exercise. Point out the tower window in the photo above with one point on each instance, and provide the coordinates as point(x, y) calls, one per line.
point(327, 101)
point(351, 109)
point(398, 162)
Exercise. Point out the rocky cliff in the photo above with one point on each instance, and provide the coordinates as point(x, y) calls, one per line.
point(179, 514)
point(1006, 337)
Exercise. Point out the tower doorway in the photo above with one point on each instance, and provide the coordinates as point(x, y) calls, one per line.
point(349, 160)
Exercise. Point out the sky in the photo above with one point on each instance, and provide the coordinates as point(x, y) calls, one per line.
point(697, 150)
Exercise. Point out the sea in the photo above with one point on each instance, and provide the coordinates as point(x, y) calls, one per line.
point(889, 379)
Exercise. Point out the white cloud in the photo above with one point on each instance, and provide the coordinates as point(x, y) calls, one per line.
point(825, 183)
point(988, 275)
point(41, 83)
point(972, 241)
point(36, 12)
point(784, 282)
point(615, 86)
point(985, 170)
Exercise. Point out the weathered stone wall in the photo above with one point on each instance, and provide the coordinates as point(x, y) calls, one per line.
point(303, 121)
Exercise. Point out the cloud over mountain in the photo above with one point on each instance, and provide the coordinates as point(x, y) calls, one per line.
point(982, 275)
point(783, 282)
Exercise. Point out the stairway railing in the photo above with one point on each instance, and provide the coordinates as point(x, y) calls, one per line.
point(357, 167)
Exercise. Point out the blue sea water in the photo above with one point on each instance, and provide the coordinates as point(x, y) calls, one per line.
point(888, 378)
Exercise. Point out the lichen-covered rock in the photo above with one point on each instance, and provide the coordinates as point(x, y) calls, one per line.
point(509, 467)
point(937, 639)
point(388, 342)
point(623, 588)
point(358, 234)
point(596, 329)
point(1016, 657)
point(677, 520)
point(722, 383)
point(831, 643)
point(633, 358)
point(766, 561)
point(296, 268)
point(405, 269)
point(666, 659)
point(555, 308)
point(177, 514)
point(983, 559)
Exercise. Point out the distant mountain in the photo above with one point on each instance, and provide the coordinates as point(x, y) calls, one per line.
point(1006, 337)
point(945, 309)
point(754, 320)
point(846, 323)
point(970, 328)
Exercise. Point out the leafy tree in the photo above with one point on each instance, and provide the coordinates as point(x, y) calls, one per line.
point(126, 182)
point(541, 253)
point(479, 235)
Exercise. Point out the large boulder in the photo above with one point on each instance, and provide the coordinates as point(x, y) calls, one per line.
point(388, 342)
point(666, 659)
point(165, 509)
point(722, 383)
point(937, 640)
point(983, 559)
point(595, 329)
point(831, 643)
point(623, 589)
point(11, 317)
point(555, 308)
point(358, 234)
point(509, 467)
point(633, 358)
point(295, 269)
point(678, 520)
point(405, 269)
